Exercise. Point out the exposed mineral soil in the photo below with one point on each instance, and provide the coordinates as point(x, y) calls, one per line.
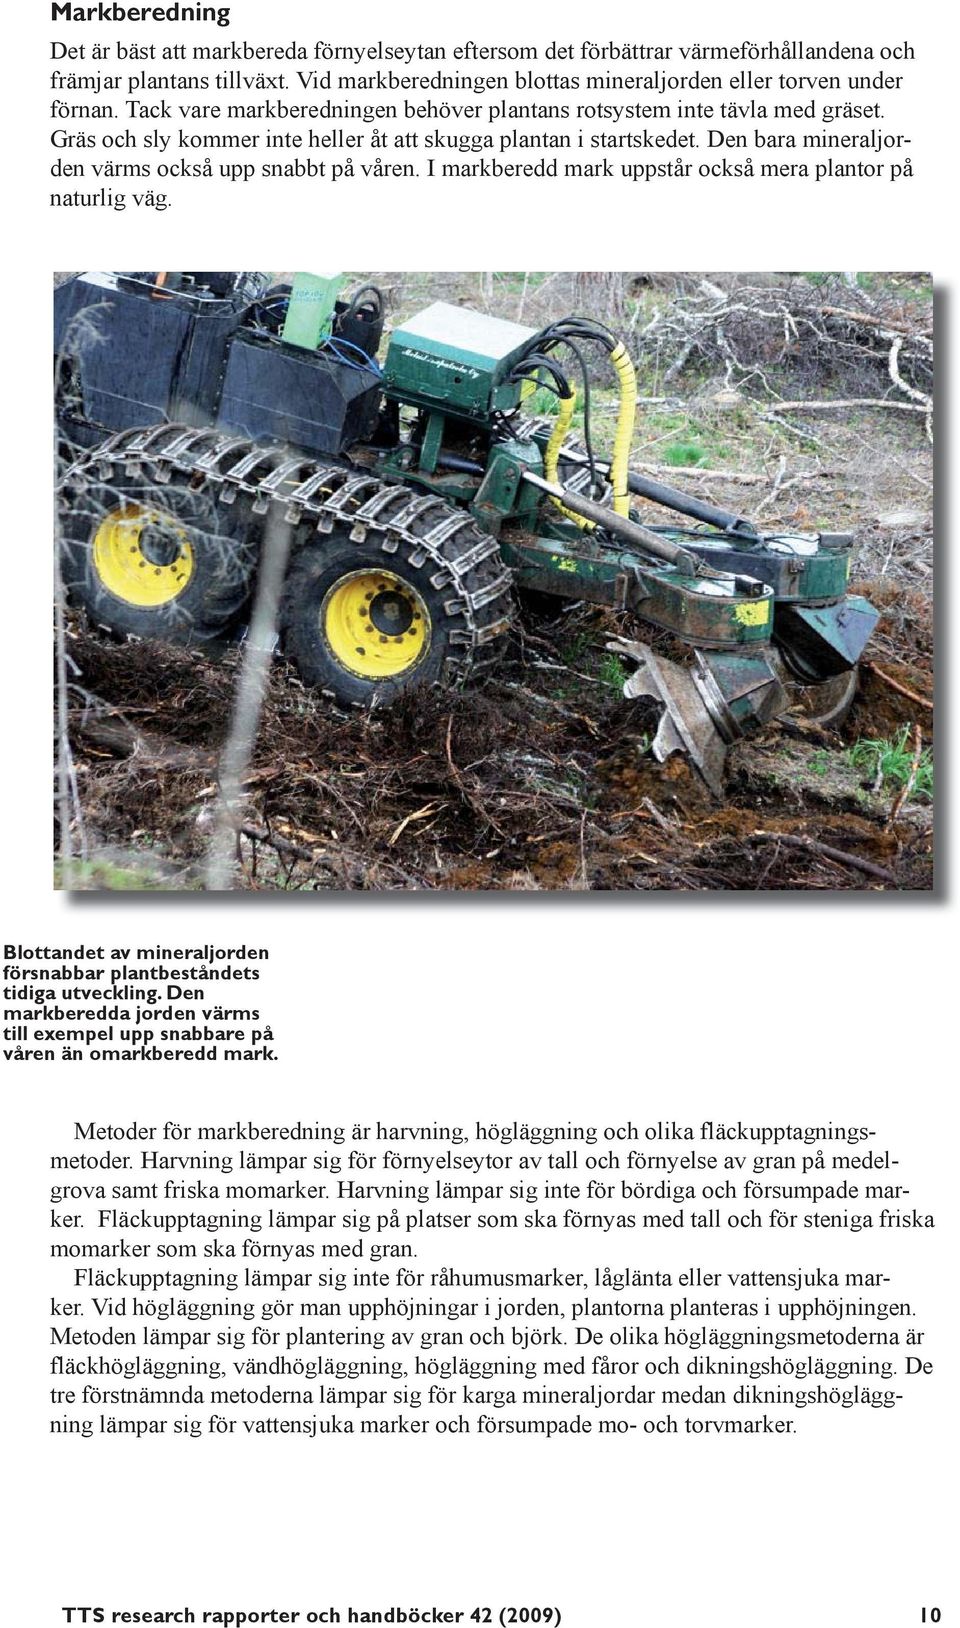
point(540, 780)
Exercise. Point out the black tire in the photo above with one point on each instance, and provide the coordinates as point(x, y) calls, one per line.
point(202, 552)
point(408, 579)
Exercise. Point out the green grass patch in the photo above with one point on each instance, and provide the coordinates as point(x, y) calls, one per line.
point(685, 454)
point(104, 875)
point(890, 762)
point(610, 672)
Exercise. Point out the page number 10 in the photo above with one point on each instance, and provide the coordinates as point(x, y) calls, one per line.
point(930, 1613)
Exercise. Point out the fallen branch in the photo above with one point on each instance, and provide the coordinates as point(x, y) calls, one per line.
point(837, 855)
point(893, 368)
point(418, 814)
point(736, 477)
point(469, 797)
point(774, 491)
point(261, 833)
point(334, 864)
point(901, 689)
point(113, 733)
point(646, 810)
point(880, 323)
point(910, 781)
point(548, 701)
point(791, 429)
point(855, 401)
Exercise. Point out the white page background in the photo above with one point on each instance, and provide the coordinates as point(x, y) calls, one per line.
point(804, 1009)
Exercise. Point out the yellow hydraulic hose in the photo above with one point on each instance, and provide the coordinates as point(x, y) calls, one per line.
point(626, 418)
point(623, 440)
point(551, 456)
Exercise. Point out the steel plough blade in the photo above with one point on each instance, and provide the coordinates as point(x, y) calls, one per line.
point(685, 724)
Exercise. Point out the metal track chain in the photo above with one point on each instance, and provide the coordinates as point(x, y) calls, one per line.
point(305, 491)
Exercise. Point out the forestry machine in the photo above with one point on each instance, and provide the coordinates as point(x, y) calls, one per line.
point(210, 422)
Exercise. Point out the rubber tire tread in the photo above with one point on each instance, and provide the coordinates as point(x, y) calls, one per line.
point(448, 663)
point(224, 549)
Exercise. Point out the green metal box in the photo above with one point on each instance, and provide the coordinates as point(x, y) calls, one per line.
point(456, 360)
point(310, 311)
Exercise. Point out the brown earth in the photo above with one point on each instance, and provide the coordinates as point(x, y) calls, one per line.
point(542, 779)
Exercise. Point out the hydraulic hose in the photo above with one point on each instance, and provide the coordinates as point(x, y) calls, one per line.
point(626, 421)
point(551, 455)
point(562, 333)
point(669, 498)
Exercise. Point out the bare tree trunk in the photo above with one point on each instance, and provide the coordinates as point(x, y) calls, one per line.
point(600, 294)
point(63, 727)
point(251, 689)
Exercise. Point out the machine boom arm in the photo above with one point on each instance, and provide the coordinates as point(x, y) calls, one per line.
point(670, 498)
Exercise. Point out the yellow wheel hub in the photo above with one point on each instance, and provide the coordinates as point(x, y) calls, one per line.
point(375, 624)
point(142, 556)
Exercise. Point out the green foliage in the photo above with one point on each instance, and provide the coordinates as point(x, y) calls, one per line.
point(889, 763)
point(542, 403)
point(610, 672)
point(576, 646)
point(95, 875)
point(116, 872)
point(686, 454)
